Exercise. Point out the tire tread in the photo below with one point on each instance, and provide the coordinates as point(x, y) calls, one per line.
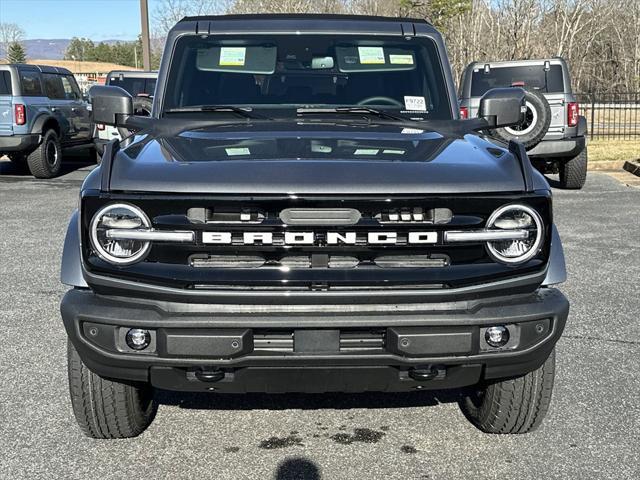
point(515, 405)
point(105, 408)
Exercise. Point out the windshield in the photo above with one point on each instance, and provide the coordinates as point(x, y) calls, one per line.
point(395, 74)
point(532, 76)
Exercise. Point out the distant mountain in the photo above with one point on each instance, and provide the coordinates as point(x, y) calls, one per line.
point(51, 49)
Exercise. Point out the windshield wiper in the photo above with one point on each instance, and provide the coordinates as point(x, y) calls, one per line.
point(243, 112)
point(354, 110)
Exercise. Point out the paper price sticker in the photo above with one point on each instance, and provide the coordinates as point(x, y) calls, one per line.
point(371, 55)
point(416, 104)
point(401, 59)
point(232, 56)
point(366, 151)
point(233, 151)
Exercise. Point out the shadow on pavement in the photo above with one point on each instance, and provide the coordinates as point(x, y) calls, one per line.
point(305, 401)
point(297, 468)
point(72, 161)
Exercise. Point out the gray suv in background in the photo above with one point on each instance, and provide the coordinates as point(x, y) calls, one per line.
point(553, 131)
point(42, 111)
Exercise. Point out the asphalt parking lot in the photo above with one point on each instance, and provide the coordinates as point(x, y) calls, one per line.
point(592, 430)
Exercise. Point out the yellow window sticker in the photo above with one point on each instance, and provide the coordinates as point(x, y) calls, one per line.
point(232, 56)
point(366, 151)
point(401, 59)
point(237, 151)
point(371, 55)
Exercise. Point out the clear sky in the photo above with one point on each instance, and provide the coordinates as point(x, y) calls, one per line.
point(94, 19)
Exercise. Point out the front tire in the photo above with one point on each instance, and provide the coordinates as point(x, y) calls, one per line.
point(517, 405)
point(573, 171)
point(105, 408)
point(46, 160)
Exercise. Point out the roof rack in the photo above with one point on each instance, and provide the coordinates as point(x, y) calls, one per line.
point(304, 16)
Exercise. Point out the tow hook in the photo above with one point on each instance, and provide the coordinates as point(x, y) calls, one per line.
point(209, 375)
point(424, 374)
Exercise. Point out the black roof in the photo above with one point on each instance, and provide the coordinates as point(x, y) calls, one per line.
point(41, 68)
point(304, 16)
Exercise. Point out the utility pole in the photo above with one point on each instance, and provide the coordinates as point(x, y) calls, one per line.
point(146, 43)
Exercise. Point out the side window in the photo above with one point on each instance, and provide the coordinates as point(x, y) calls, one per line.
point(71, 90)
point(53, 86)
point(30, 82)
point(5, 82)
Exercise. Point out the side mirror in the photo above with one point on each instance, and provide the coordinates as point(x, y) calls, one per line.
point(502, 107)
point(110, 105)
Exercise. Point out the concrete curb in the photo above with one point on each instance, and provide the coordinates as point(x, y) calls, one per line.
point(632, 166)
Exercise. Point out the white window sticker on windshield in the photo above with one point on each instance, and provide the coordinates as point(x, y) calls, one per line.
point(371, 55)
point(415, 103)
point(401, 59)
point(366, 151)
point(232, 56)
point(237, 151)
point(394, 152)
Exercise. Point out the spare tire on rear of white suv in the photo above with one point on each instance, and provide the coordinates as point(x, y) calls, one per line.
point(535, 125)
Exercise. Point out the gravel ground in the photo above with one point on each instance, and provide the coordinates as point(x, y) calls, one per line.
point(592, 430)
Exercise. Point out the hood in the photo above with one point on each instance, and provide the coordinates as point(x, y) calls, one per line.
point(314, 158)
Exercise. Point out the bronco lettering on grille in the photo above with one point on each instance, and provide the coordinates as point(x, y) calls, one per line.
point(312, 238)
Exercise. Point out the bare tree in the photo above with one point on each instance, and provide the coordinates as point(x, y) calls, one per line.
point(9, 33)
point(599, 38)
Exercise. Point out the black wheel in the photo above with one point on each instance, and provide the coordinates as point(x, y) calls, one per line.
point(573, 171)
point(106, 408)
point(46, 160)
point(516, 405)
point(535, 125)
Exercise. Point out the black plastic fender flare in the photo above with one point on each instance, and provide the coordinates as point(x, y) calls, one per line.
point(557, 271)
point(41, 120)
point(71, 268)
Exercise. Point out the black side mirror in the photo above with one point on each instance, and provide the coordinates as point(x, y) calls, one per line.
point(110, 105)
point(502, 107)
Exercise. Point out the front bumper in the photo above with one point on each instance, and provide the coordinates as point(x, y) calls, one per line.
point(313, 348)
point(19, 143)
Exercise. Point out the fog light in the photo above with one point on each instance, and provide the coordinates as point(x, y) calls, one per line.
point(497, 336)
point(138, 339)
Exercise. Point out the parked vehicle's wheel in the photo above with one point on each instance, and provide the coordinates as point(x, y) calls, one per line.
point(46, 160)
point(142, 106)
point(573, 171)
point(106, 408)
point(517, 405)
point(535, 125)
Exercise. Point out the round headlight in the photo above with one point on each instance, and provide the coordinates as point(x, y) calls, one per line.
point(521, 218)
point(119, 216)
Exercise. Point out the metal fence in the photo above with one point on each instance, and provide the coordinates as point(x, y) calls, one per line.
point(611, 116)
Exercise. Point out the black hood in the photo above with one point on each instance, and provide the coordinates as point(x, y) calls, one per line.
point(314, 158)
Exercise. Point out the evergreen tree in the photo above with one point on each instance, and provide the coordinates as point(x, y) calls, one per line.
point(16, 53)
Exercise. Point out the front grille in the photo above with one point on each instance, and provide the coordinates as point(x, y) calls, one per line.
point(346, 261)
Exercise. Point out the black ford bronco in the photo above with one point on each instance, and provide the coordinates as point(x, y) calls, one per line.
point(304, 211)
